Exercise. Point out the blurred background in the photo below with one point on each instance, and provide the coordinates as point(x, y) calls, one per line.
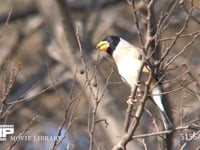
point(54, 82)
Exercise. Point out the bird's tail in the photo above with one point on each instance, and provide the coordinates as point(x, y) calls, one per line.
point(157, 97)
point(167, 123)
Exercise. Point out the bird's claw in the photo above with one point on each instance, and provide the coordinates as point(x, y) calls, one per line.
point(138, 84)
point(131, 101)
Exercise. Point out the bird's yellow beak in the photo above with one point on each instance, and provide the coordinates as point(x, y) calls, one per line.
point(103, 45)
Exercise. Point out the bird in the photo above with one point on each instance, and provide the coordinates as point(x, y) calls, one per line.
point(128, 59)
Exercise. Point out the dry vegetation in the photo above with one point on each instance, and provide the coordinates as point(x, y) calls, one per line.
point(54, 82)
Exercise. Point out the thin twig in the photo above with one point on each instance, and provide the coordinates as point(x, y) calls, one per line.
point(182, 51)
point(6, 23)
point(177, 37)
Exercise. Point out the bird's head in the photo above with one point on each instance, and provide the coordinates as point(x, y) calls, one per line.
point(108, 44)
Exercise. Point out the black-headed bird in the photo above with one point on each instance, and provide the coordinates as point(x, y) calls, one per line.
point(128, 59)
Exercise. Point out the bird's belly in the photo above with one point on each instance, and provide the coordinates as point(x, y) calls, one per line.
point(129, 70)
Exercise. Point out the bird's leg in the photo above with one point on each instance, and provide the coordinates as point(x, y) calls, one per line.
point(139, 92)
point(132, 98)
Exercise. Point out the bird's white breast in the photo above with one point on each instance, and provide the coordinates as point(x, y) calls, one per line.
point(128, 68)
point(128, 65)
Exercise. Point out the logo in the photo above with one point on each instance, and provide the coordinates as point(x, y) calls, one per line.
point(190, 136)
point(5, 130)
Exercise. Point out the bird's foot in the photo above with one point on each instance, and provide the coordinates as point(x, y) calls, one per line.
point(138, 84)
point(131, 100)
